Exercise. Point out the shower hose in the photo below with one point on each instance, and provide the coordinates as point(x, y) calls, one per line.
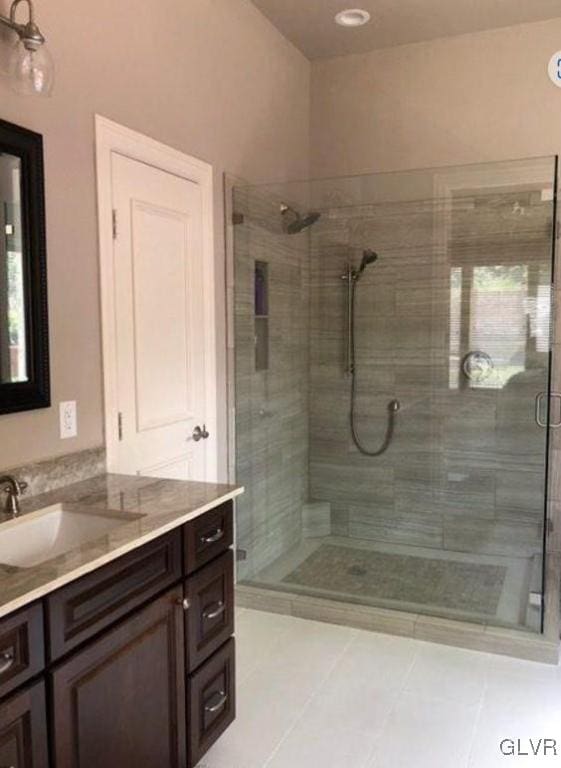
point(393, 405)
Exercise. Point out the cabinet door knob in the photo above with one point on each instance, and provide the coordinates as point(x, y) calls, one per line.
point(184, 603)
point(216, 701)
point(6, 661)
point(214, 611)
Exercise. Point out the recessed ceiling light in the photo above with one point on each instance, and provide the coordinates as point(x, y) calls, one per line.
point(352, 17)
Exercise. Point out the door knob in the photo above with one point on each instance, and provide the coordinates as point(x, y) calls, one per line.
point(200, 434)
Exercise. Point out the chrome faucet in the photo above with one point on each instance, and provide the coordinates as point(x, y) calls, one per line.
point(13, 489)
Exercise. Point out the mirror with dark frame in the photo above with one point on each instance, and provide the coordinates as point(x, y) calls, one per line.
point(24, 336)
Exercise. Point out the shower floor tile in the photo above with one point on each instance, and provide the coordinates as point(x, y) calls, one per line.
point(448, 584)
point(474, 587)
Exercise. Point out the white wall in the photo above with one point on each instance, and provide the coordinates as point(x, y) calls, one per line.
point(471, 98)
point(210, 77)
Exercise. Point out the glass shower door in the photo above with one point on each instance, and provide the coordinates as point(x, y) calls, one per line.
point(490, 396)
point(453, 321)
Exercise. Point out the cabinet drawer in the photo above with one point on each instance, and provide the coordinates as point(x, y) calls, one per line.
point(210, 615)
point(84, 607)
point(208, 535)
point(23, 730)
point(212, 705)
point(21, 648)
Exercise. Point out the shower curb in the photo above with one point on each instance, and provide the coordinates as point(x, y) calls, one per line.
point(504, 642)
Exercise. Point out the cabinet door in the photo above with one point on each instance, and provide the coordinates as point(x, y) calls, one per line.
point(23, 730)
point(121, 700)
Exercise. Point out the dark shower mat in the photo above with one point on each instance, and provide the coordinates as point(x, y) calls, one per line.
point(452, 584)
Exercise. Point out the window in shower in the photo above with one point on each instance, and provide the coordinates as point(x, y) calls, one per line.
point(261, 312)
point(499, 323)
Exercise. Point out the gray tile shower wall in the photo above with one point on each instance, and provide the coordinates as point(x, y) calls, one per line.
point(465, 470)
point(48, 475)
point(271, 404)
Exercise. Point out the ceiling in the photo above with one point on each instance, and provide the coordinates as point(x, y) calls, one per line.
point(310, 25)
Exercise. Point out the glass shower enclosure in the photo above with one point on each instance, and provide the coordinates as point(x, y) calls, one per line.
point(393, 365)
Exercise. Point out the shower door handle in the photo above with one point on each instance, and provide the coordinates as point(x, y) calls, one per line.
point(541, 396)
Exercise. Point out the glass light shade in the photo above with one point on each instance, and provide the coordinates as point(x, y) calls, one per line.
point(31, 71)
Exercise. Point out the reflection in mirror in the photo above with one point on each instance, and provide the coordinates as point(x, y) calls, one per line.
point(13, 346)
point(24, 324)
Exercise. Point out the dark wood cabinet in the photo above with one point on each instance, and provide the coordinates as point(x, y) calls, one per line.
point(121, 701)
point(130, 665)
point(23, 729)
point(22, 646)
point(208, 536)
point(83, 608)
point(211, 701)
point(210, 617)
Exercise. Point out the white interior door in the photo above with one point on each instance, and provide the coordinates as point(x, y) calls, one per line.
point(162, 380)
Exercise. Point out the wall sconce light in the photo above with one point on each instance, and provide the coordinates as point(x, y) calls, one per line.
point(31, 65)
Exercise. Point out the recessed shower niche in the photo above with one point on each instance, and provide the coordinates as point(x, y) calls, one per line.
point(261, 312)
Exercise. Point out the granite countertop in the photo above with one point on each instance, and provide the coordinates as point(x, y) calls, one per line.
point(149, 507)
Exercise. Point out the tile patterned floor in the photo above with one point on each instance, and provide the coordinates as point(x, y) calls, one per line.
point(469, 587)
point(516, 574)
point(314, 695)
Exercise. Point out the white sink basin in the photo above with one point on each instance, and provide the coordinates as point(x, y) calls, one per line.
point(52, 531)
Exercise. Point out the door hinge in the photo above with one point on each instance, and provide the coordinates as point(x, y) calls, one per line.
point(114, 223)
point(120, 425)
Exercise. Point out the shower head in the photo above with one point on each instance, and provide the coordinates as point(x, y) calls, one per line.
point(368, 257)
point(293, 222)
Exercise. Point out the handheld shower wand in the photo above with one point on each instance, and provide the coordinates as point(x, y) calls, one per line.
point(352, 276)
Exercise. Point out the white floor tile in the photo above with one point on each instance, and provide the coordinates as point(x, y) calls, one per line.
point(315, 747)
point(494, 727)
point(451, 674)
point(316, 695)
point(520, 696)
point(351, 703)
point(381, 661)
point(522, 701)
point(258, 634)
point(426, 733)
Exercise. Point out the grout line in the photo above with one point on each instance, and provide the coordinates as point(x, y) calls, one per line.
point(311, 698)
point(476, 723)
point(400, 693)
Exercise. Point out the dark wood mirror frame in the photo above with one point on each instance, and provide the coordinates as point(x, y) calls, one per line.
point(34, 392)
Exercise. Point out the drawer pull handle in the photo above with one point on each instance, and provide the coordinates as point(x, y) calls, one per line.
point(212, 538)
point(6, 661)
point(216, 701)
point(214, 611)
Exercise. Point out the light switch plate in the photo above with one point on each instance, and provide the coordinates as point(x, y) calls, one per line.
point(68, 419)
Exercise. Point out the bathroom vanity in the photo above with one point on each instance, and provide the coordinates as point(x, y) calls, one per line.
point(120, 651)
